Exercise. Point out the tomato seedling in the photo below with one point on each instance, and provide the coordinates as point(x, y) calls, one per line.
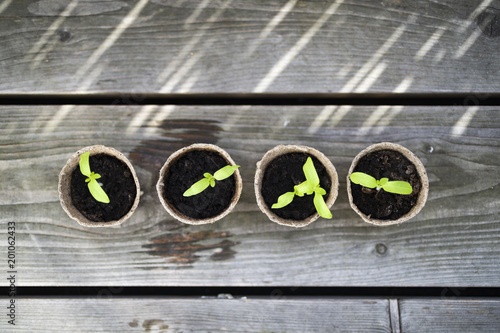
point(202, 184)
point(95, 189)
point(396, 186)
point(310, 186)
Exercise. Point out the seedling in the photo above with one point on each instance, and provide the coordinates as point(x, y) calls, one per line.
point(310, 186)
point(398, 187)
point(94, 187)
point(202, 184)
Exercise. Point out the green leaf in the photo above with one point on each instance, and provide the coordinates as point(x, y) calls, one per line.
point(297, 192)
point(305, 187)
point(97, 192)
point(84, 164)
point(197, 187)
point(284, 200)
point(321, 191)
point(310, 172)
point(363, 179)
point(321, 207)
point(225, 172)
point(382, 182)
point(212, 182)
point(398, 187)
point(207, 175)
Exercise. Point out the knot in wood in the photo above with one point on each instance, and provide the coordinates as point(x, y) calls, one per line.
point(489, 22)
point(381, 249)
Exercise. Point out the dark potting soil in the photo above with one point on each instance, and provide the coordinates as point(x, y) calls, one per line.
point(383, 205)
point(118, 183)
point(189, 169)
point(281, 175)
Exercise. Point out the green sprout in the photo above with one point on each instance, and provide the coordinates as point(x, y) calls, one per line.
point(310, 186)
point(398, 187)
point(94, 187)
point(202, 184)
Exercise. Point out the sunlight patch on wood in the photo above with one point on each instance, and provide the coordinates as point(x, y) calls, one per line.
point(429, 44)
point(371, 78)
point(321, 118)
point(475, 34)
point(276, 20)
point(368, 71)
point(4, 5)
point(467, 44)
point(374, 117)
point(339, 115)
point(283, 63)
point(182, 72)
point(404, 85)
point(479, 9)
point(387, 119)
point(90, 65)
point(140, 118)
point(57, 118)
point(112, 38)
point(166, 110)
point(147, 110)
point(344, 70)
point(49, 34)
point(65, 109)
point(44, 52)
point(383, 115)
point(175, 72)
point(464, 121)
point(196, 13)
point(188, 48)
point(372, 62)
point(160, 116)
point(439, 56)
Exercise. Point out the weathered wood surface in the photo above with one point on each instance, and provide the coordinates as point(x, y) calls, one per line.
point(454, 241)
point(433, 315)
point(105, 313)
point(199, 315)
point(249, 46)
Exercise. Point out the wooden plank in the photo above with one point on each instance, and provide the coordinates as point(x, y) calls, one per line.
point(249, 46)
point(456, 234)
point(199, 315)
point(450, 315)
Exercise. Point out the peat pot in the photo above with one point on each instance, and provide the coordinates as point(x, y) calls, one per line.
point(279, 170)
point(395, 162)
point(119, 181)
point(187, 166)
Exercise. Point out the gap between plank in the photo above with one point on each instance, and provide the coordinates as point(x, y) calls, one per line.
point(271, 292)
point(137, 98)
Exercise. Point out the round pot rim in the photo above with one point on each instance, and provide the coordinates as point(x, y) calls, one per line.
point(65, 183)
point(279, 150)
point(174, 157)
point(422, 197)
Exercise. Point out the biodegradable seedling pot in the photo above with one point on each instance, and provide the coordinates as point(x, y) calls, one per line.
point(397, 163)
point(187, 166)
point(118, 179)
point(279, 170)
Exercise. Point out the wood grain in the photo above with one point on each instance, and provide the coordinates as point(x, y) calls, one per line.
point(450, 315)
point(115, 314)
point(453, 242)
point(249, 46)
